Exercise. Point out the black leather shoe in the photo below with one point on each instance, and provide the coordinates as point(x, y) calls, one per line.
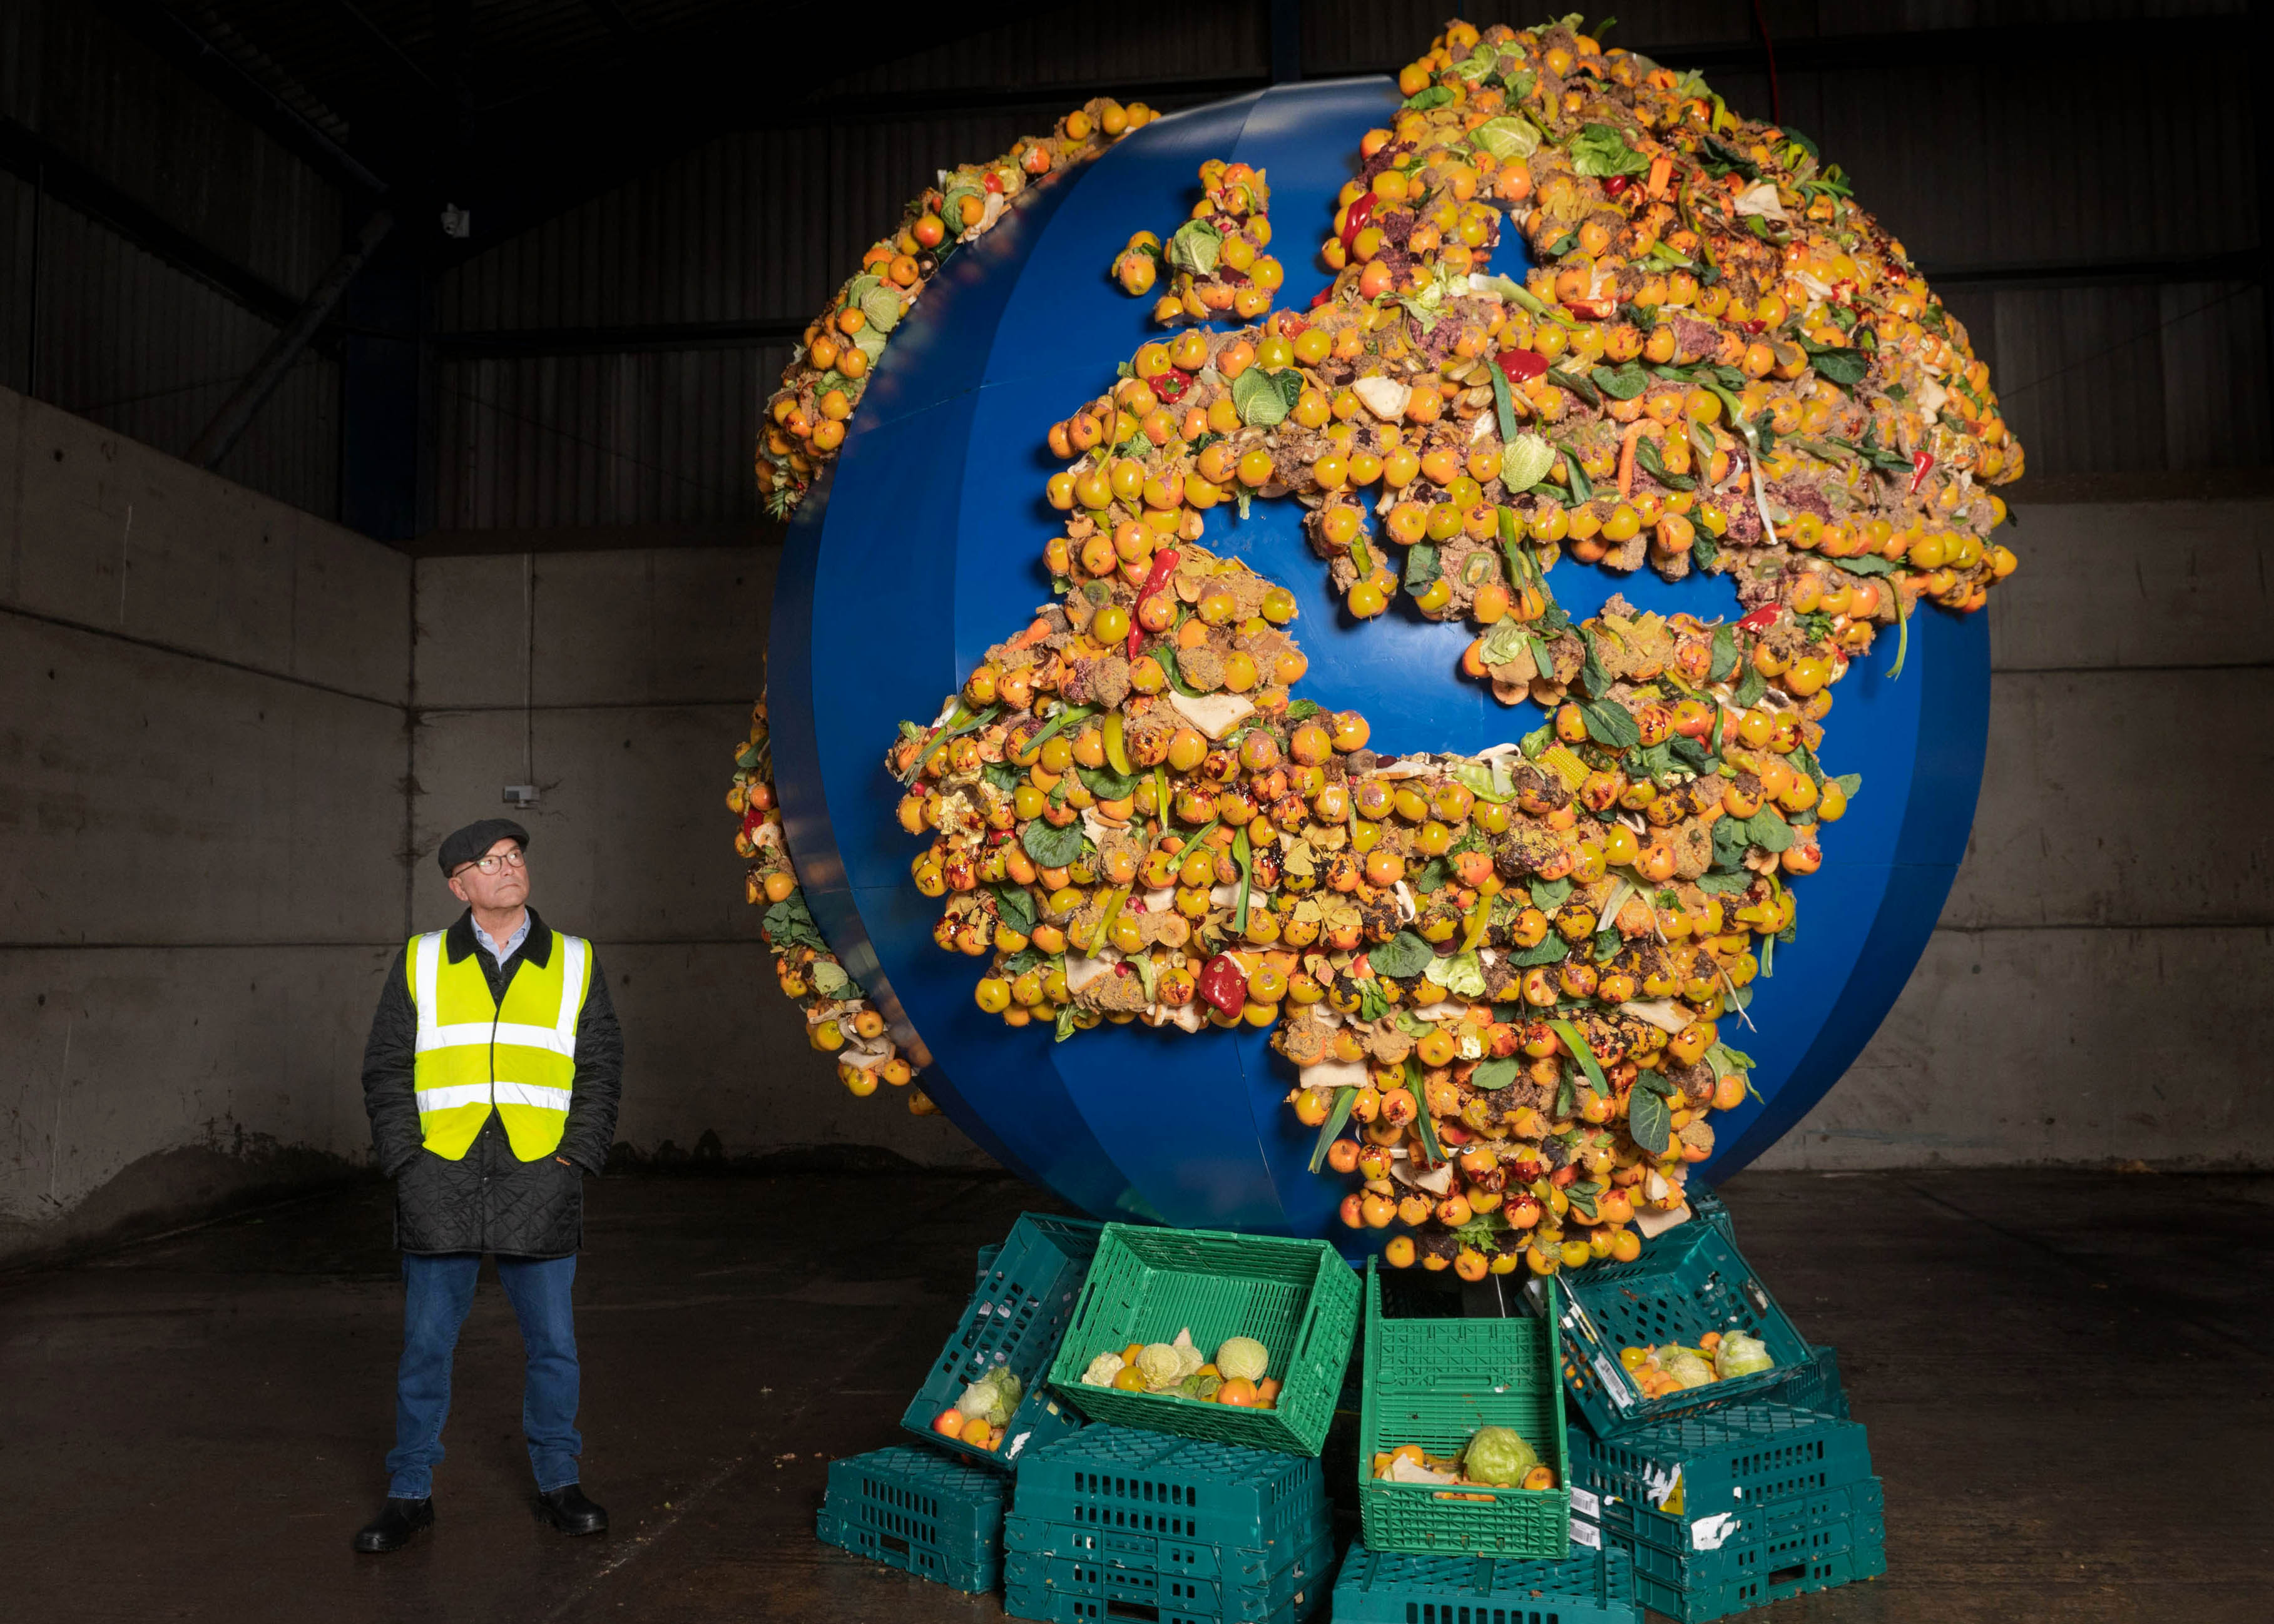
point(569, 1512)
point(391, 1529)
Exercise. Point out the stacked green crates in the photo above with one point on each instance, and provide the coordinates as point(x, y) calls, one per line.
point(1123, 1523)
point(1587, 1587)
point(1733, 1508)
point(919, 1511)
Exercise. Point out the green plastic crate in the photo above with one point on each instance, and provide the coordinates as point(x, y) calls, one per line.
point(1137, 1589)
point(919, 1511)
point(1014, 1319)
point(1127, 1482)
point(1190, 1558)
point(1587, 1587)
point(1688, 1282)
point(1055, 1607)
point(1434, 1382)
point(1297, 1297)
point(1796, 1577)
point(1815, 1385)
point(1765, 1540)
point(1860, 1506)
point(986, 1256)
point(1705, 1205)
point(1725, 1463)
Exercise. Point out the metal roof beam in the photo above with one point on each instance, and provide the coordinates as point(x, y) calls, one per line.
point(40, 163)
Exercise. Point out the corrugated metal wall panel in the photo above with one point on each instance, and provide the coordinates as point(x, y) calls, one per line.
point(2214, 364)
point(99, 96)
point(2081, 380)
point(573, 440)
point(128, 342)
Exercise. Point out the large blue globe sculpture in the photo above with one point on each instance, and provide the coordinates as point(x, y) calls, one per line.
point(924, 548)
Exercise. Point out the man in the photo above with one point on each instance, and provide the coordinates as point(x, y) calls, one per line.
point(491, 1078)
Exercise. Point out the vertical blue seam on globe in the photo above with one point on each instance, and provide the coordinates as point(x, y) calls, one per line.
point(924, 547)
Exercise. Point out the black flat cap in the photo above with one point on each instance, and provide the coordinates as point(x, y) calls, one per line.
point(472, 843)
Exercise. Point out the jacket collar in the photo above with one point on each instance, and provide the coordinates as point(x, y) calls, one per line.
point(458, 941)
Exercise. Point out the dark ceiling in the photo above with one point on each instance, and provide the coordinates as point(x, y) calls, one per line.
point(512, 108)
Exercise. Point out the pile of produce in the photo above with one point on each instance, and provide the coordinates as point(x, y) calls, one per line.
point(979, 1418)
point(1673, 1368)
point(1508, 976)
point(805, 417)
point(1177, 1369)
point(1214, 261)
point(1495, 1458)
point(839, 1019)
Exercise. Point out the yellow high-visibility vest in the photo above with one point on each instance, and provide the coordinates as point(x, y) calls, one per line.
point(475, 1055)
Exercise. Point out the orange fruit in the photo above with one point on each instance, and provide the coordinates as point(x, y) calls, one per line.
point(950, 1424)
point(977, 1431)
point(1238, 1392)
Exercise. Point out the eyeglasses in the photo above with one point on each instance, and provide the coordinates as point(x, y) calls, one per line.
point(493, 863)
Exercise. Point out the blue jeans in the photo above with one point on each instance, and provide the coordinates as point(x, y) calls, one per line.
point(437, 1292)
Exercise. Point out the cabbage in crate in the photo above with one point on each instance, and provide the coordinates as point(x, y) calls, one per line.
point(979, 1416)
point(1176, 1369)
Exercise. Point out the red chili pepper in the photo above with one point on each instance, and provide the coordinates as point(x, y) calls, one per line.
point(1616, 186)
point(1164, 563)
point(1320, 298)
point(1761, 620)
point(1921, 466)
point(1755, 327)
point(1355, 221)
point(1223, 985)
point(993, 182)
point(753, 820)
point(1292, 326)
point(1170, 386)
point(1521, 365)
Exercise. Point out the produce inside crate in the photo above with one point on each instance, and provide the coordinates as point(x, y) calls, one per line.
point(1721, 1550)
point(1259, 1508)
point(1689, 1282)
point(1297, 1297)
point(919, 1511)
point(1433, 1382)
point(1013, 1321)
point(1587, 1587)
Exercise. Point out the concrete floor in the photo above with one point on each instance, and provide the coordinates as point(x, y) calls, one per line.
point(2066, 1377)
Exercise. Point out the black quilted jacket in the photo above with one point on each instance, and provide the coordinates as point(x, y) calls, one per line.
point(491, 1200)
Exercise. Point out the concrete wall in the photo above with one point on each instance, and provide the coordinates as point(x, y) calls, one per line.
point(621, 683)
point(2101, 986)
point(202, 748)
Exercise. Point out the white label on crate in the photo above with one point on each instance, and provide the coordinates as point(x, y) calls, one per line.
point(1586, 1502)
point(1017, 1444)
point(1614, 1381)
point(1711, 1533)
point(1661, 1486)
point(1586, 1534)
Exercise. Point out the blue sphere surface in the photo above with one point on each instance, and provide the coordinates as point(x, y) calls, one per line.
point(923, 548)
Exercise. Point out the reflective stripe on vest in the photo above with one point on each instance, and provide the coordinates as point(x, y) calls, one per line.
point(474, 1054)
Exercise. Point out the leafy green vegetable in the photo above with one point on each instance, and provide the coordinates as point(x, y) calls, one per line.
point(1264, 399)
point(1621, 383)
point(1652, 464)
point(1611, 723)
point(1404, 954)
point(1581, 1053)
point(1494, 1074)
point(1600, 150)
point(1422, 101)
point(788, 923)
point(1649, 1121)
point(1106, 784)
point(1338, 1113)
point(1844, 367)
point(1524, 461)
point(1420, 566)
point(1509, 136)
point(1050, 846)
point(1014, 906)
point(1549, 895)
point(1496, 1457)
point(1767, 829)
point(1195, 247)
